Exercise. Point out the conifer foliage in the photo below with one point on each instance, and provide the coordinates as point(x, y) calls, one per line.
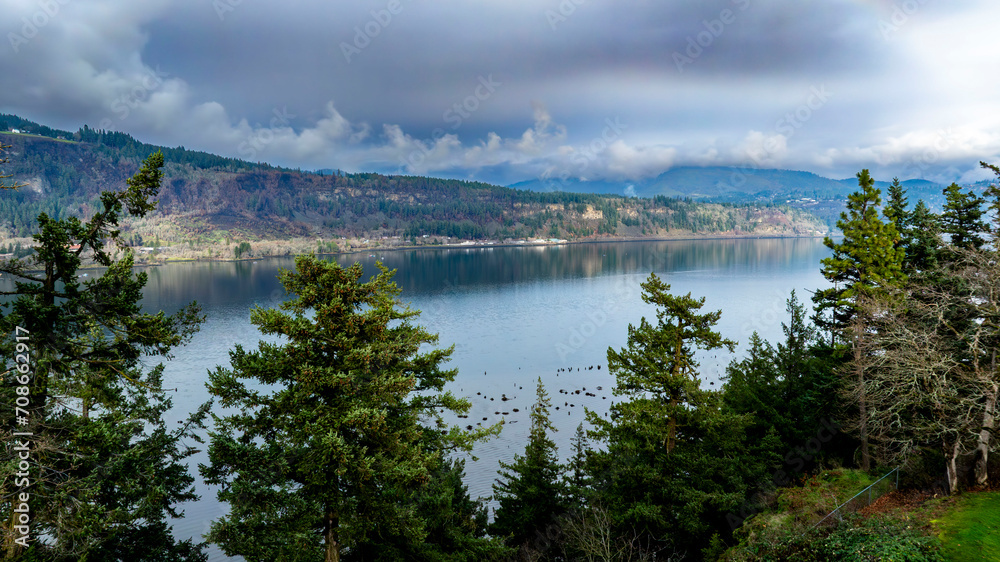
point(530, 492)
point(105, 471)
point(328, 451)
point(866, 262)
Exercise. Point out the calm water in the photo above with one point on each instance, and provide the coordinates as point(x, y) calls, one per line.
point(514, 314)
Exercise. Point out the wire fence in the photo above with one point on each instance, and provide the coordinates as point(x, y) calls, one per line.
point(864, 498)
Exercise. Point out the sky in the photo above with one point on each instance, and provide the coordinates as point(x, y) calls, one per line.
point(512, 90)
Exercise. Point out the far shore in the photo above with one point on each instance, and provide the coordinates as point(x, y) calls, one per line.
point(465, 244)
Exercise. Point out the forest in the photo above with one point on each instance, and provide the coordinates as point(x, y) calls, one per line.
point(339, 449)
point(205, 199)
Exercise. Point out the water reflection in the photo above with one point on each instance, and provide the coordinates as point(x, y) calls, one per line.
point(441, 270)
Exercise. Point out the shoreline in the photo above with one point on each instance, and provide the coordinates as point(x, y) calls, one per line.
point(481, 245)
point(470, 245)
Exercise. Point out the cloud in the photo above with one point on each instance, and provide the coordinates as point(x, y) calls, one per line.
point(492, 91)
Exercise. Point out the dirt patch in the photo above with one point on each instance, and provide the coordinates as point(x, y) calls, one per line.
point(906, 500)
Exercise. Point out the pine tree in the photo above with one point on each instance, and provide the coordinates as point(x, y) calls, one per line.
point(530, 489)
point(787, 388)
point(577, 480)
point(924, 243)
point(675, 463)
point(962, 218)
point(895, 206)
point(660, 359)
point(106, 472)
point(866, 261)
point(333, 453)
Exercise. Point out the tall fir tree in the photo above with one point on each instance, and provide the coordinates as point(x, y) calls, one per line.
point(530, 490)
point(675, 463)
point(105, 471)
point(925, 241)
point(328, 452)
point(866, 261)
point(962, 218)
point(577, 479)
point(660, 359)
point(895, 206)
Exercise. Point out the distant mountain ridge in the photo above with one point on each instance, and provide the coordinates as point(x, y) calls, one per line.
point(728, 184)
point(206, 200)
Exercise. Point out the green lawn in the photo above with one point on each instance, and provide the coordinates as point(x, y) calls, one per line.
point(971, 531)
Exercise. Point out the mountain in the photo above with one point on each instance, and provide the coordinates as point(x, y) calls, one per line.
point(206, 199)
point(720, 183)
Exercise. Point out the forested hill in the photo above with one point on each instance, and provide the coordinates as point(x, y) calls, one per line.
point(206, 198)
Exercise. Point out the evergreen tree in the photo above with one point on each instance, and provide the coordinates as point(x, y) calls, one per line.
point(865, 261)
point(332, 454)
point(105, 471)
point(962, 218)
point(660, 359)
point(790, 389)
point(577, 479)
point(676, 464)
point(530, 489)
point(924, 242)
point(895, 206)
point(4, 184)
point(992, 196)
point(455, 525)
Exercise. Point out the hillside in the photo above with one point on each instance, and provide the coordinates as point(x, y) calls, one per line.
point(820, 196)
point(906, 524)
point(207, 199)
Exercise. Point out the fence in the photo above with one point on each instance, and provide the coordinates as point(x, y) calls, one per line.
point(865, 497)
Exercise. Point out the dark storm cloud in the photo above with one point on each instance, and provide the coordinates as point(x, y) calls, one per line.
point(516, 89)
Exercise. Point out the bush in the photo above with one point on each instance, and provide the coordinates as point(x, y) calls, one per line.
point(856, 539)
point(242, 249)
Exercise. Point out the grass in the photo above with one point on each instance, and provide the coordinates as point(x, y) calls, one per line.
point(823, 492)
point(34, 136)
point(971, 530)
